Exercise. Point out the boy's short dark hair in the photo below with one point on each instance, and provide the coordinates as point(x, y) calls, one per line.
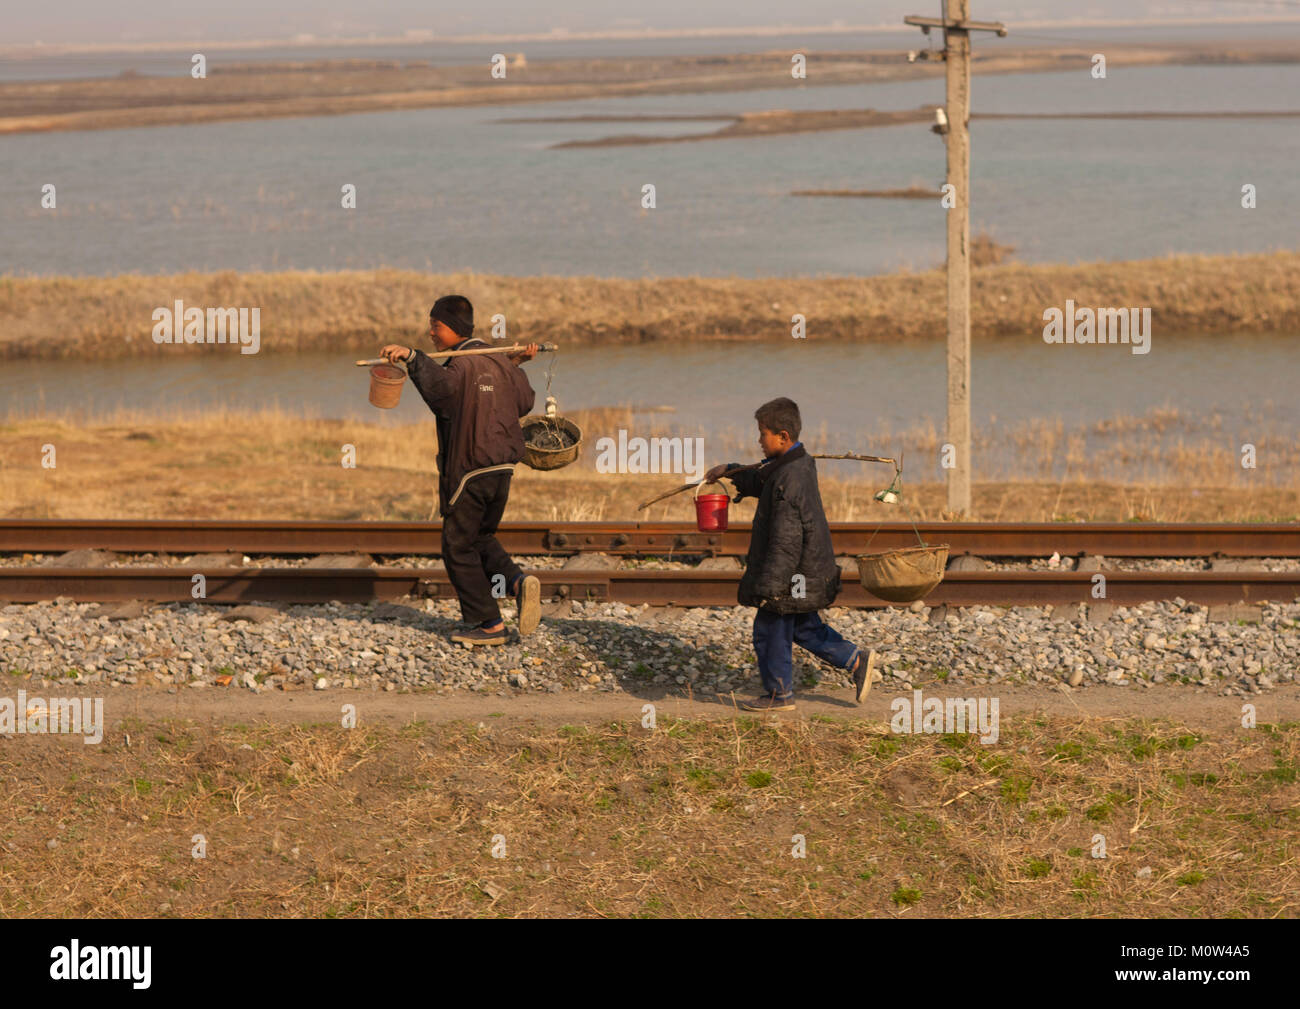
point(780, 415)
point(456, 312)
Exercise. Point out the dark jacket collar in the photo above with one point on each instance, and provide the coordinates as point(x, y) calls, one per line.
point(765, 471)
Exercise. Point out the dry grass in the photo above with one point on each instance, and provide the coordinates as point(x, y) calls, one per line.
point(697, 818)
point(271, 464)
point(54, 317)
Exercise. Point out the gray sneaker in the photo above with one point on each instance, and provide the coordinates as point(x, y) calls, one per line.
point(478, 636)
point(770, 702)
point(862, 673)
point(529, 596)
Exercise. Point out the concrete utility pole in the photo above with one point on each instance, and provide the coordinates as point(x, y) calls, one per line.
point(956, 28)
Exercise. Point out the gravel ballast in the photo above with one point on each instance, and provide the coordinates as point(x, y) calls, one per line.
point(611, 646)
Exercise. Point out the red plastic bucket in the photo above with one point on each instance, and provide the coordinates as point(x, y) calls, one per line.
point(711, 511)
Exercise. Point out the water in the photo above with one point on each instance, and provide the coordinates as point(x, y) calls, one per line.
point(457, 189)
point(850, 394)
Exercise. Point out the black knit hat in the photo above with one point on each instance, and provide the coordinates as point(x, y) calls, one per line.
point(456, 313)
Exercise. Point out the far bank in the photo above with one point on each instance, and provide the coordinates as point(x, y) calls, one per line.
point(115, 317)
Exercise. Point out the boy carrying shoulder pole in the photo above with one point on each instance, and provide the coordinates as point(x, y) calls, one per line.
point(790, 570)
point(477, 401)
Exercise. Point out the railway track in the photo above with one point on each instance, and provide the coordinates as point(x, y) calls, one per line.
point(641, 539)
point(226, 584)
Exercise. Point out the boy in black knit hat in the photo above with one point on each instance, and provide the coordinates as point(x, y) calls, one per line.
point(477, 402)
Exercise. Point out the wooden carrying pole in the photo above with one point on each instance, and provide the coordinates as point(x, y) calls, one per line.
point(755, 465)
point(544, 348)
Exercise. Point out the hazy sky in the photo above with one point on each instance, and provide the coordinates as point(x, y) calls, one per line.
point(74, 21)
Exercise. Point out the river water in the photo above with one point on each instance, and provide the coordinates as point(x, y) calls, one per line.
point(457, 189)
point(1230, 390)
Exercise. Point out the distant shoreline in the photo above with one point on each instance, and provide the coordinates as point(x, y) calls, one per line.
point(910, 193)
point(246, 91)
point(47, 317)
point(38, 49)
point(771, 123)
point(776, 122)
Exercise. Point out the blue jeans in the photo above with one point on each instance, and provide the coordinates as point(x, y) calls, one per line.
point(775, 634)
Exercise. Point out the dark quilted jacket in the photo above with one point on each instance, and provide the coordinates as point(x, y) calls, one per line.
point(790, 537)
point(477, 403)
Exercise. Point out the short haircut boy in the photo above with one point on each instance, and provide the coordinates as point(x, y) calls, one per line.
point(779, 415)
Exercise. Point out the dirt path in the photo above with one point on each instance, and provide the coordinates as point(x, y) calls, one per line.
point(1196, 709)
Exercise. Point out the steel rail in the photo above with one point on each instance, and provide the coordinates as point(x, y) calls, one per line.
point(657, 588)
point(989, 539)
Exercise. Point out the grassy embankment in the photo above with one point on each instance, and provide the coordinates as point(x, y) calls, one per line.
point(54, 317)
point(278, 466)
point(696, 818)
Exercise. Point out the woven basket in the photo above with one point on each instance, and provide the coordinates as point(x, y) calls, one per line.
point(903, 576)
point(550, 458)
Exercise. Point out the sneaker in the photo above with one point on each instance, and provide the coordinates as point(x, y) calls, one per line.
point(529, 596)
point(863, 670)
point(770, 702)
point(478, 636)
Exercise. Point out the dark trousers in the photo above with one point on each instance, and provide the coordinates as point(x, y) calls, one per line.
point(471, 552)
point(775, 634)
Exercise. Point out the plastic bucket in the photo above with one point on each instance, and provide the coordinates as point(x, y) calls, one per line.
point(386, 385)
point(711, 511)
